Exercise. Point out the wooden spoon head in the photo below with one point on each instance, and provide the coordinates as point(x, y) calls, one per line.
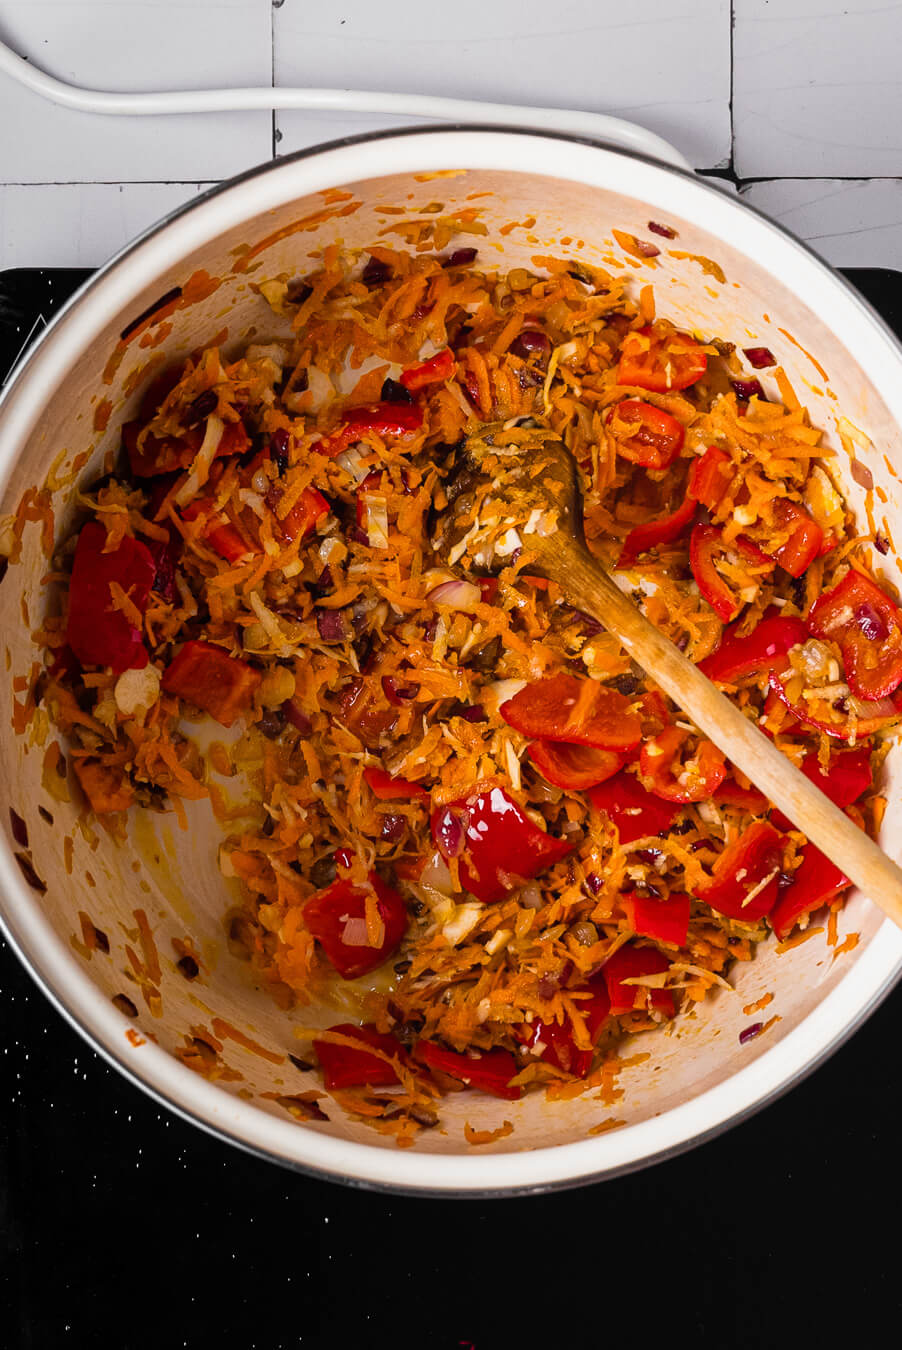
point(512, 487)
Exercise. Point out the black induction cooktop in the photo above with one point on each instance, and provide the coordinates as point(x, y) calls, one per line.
point(123, 1227)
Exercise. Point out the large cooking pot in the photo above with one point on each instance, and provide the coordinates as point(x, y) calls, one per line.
point(60, 421)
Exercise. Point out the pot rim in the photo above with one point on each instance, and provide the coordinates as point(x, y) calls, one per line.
point(56, 970)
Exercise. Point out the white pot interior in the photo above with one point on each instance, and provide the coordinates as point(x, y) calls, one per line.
point(774, 294)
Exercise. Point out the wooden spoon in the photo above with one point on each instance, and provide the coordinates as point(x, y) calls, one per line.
point(524, 479)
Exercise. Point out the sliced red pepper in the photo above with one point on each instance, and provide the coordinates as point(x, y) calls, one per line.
point(663, 531)
point(627, 963)
point(705, 548)
point(600, 716)
point(437, 368)
point(208, 677)
point(655, 438)
point(488, 588)
point(97, 632)
point(389, 789)
point(498, 846)
point(873, 715)
point(557, 1039)
point(219, 533)
point(637, 813)
point(739, 871)
point(345, 1067)
point(663, 769)
point(867, 624)
point(710, 476)
point(490, 1071)
point(573, 767)
point(741, 658)
point(339, 910)
point(847, 776)
point(748, 799)
point(664, 920)
point(660, 359)
point(392, 420)
point(165, 454)
point(310, 507)
point(805, 537)
point(815, 882)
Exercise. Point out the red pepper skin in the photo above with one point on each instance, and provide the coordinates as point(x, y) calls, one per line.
point(344, 1067)
point(389, 789)
point(814, 883)
point(756, 853)
point(497, 844)
point(488, 588)
point(660, 360)
point(438, 368)
point(491, 1072)
point(748, 799)
point(219, 533)
point(573, 767)
point(710, 476)
point(542, 709)
point(209, 678)
point(310, 507)
point(664, 920)
point(664, 531)
point(657, 438)
point(98, 634)
point(326, 915)
point(879, 713)
point(704, 546)
point(660, 764)
point(866, 623)
point(628, 962)
point(392, 420)
point(557, 1037)
point(847, 776)
point(741, 658)
point(805, 539)
point(636, 812)
point(165, 454)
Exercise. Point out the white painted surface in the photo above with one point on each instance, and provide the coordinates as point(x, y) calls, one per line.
point(816, 99)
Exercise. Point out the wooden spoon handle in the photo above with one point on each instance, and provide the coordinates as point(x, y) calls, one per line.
point(590, 588)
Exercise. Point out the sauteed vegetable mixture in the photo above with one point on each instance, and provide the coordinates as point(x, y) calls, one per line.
point(474, 826)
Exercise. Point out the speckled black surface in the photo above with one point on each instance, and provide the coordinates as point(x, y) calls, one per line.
point(123, 1227)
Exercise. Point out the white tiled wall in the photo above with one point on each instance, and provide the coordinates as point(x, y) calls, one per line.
point(801, 99)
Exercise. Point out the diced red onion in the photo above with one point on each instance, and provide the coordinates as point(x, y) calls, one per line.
point(746, 389)
point(666, 230)
point(455, 594)
point(594, 882)
point(448, 832)
point(376, 273)
point(398, 694)
point(476, 713)
point(881, 544)
point(749, 1033)
point(759, 358)
point(331, 625)
point(461, 257)
point(862, 475)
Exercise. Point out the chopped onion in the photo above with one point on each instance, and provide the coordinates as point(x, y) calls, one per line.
point(331, 625)
point(376, 508)
point(456, 594)
point(254, 501)
point(531, 896)
point(355, 934)
point(436, 875)
point(200, 469)
point(351, 460)
point(137, 691)
point(465, 919)
point(498, 692)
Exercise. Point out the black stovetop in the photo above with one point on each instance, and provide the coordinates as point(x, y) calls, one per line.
point(123, 1227)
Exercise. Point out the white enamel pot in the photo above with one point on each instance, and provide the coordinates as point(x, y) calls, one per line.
point(65, 407)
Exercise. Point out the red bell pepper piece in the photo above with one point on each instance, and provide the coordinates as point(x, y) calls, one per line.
point(164, 454)
point(760, 358)
point(337, 914)
point(392, 420)
point(488, 588)
point(663, 531)
point(867, 624)
point(710, 476)
point(345, 1067)
point(873, 715)
point(437, 368)
point(664, 920)
point(310, 507)
point(489, 1071)
point(556, 1038)
point(636, 812)
point(573, 767)
point(389, 789)
point(208, 677)
point(805, 537)
point(578, 712)
point(660, 359)
point(749, 799)
point(668, 776)
point(739, 871)
point(705, 547)
point(741, 658)
point(847, 776)
point(97, 632)
point(627, 963)
point(497, 844)
point(814, 883)
point(655, 437)
point(219, 533)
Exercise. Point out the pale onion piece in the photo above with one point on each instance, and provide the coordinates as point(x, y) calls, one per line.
point(352, 461)
point(531, 896)
point(376, 519)
point(456, 594)
point(137, 691)
point(483, 1008)
point(745, 515)
point(709, 813)
point(459, 549)
point(437, 875)
point(332, 551)
point(226, 866)
point(266, 351)
point(500, 938)
point(492, 695)
point(320, 389)
point(354, 933)
point(291, 569)
point(200, 469)
point(513, 766)
point(507, 543)
point(465, 919)
point(254, 501)
point(822, 499)
point(270, 623)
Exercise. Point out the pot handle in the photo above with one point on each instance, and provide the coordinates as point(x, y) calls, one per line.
point(599, 126)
